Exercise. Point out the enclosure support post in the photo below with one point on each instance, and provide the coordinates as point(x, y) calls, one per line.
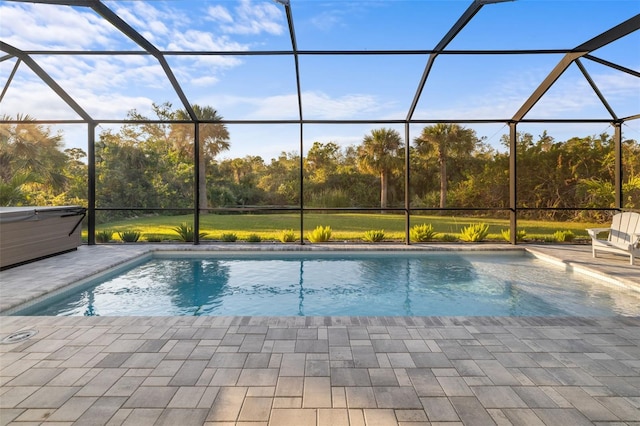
point(617, 140)
point(513, 205)
point(301, 185)
point(407, 183)
point(91, 183)
point(196, 172)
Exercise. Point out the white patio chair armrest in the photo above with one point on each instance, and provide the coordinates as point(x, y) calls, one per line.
point(593, 232)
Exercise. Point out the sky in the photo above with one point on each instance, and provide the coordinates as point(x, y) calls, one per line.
point(334, 87)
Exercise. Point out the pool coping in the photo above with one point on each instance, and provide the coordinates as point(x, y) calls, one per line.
point(28, 284)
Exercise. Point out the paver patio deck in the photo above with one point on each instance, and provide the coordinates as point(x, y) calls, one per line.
point(314, 370)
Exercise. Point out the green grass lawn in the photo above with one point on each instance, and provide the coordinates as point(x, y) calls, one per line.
point(345, 226)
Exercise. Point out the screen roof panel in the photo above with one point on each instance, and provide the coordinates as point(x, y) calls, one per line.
point(180, 25)
point(570, 97)
point(481, 86)
point(539, 24)
point(240, 87)
point(373, 25)
point(29, 95)
point(359, 86)
point(621, 90)
point(107, 87)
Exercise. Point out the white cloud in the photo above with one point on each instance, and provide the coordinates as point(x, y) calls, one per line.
point(344, 13)
point(35, 99)
point(569, 97)
point(201, 71)
point(55, 27)
point(322, 106)
point(117, 105)
point(273, 107)
point(328, 20)
point(219, 14)
point(105, 73)
point(336, 136)
point(201, 40)
point(204, 81)
point(99, 78)
point(574, 98)
point(170, 28)
point(104, 86)
point(258, 18)
point(130, 18)
point(249, 18)
point(155, 23)
point(316, 105)
point(619, 86)
point(158, 27)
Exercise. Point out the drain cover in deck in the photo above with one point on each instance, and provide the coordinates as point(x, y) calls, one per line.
point(19, 336)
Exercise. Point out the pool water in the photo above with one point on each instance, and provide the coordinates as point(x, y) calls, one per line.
point(341, 283)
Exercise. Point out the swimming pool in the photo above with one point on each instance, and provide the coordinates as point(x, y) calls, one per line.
point(382, 283)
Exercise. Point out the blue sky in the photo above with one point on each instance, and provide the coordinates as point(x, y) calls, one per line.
point(334, 87)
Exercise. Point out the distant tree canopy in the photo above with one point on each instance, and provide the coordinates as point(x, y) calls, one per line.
point(151, 166)
point(34, 168)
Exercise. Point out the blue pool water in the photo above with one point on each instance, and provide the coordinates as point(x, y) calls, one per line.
point(340, 283)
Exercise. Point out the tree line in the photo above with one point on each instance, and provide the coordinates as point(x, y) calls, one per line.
point(151, 166)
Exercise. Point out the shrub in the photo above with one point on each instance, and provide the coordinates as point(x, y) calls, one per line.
point(153, 238)
point(563, 236)
point(320, 235)
point(520, 234)
point(287, 236)
point(330, 198)
point(254, 238)
point(129, 236)
point(449, 238)
point(474, 232)
point(422, 233)
point(186, 232)
point(229, 237)
point(374, 236)
point(104, 236)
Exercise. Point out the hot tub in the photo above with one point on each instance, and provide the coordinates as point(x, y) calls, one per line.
point(32, 233)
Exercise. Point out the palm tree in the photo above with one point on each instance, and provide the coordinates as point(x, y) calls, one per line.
point(214, 138)
point(31, 155)
point(445, 141)
point(240, 167)
point(379, 153)
point(12, 191)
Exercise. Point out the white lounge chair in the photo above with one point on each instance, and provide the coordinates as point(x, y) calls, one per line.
point(624, 236)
